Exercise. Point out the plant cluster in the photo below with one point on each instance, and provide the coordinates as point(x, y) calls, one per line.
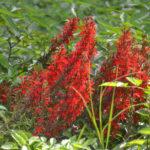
point(48, 92)
point(130, 60)
point(55, 95)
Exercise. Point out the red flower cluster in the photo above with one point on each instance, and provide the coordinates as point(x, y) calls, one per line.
point(49, 93)
point(129, 61)
point(67, 34)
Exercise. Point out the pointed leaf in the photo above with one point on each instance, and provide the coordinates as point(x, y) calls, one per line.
point(5, 12)
point(43, 139)
point(90, 141)
point(135, 142)
point(134, 81)
point(2, 107)
point(115, 84)
point(143, 112)
point(10, 145)
point(34, 139)
point(4, 61)
point(20, 137)
point(3, 115)
point(81, 146)
point(145, 131)
point(73, 11)
point(10, 23)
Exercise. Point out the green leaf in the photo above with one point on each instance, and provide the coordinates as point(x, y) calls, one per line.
point(90, 141)
point(24, 147)
point(83, 3)
point(145, 131)
point(134, 81)
point(143, 112)
point(147, 91)
point(43, 139)
point(135, 142)
point(10, 23)
point(80, 146)
point(147, 105)
point(69, 1)
point(1, 137)
point(110, 28)
point(3, 108)
point(65, 142)
point(34, 139)
point(4, 61)
point(39, 22)
point(119, 146)
point(67, 134)
point(20, 137)
point(38, 145)
point(5, 12)
point(3, 115)
point(52, 141)
point(115, 84)
point(9, 145)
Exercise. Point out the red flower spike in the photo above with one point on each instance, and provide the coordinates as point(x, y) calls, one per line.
point(130, 62)
point(49, 94)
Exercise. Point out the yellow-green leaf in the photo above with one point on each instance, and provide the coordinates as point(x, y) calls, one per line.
point(134, 81)
point(20, 137)
point(115, 84)
point(145, 131)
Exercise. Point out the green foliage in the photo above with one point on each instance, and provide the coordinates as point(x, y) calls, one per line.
point(134, 81)
point(3, 113)
point(24, 140)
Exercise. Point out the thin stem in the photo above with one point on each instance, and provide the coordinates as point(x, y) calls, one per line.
point(90, 91)
point(10, 48)
point(111, 113)
point(110, 117)
point(90, 114)
point(100, 117)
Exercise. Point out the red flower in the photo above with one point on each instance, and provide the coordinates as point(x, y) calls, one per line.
point(49, 93)
point(129, 61)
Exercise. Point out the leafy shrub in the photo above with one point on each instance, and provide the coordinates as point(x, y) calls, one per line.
point(24, 140)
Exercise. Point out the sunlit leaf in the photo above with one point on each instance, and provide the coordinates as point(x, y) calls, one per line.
point(134, 81)
point(115, 84)
point(135, 142)
point(145, 131)
point(3, 107)
point(20, 137)
point(34, 139)
point(143, 112)
point(10, 145)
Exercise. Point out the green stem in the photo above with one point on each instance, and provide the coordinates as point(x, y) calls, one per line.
point(110, 118)
point(100, 117)
point(90, 114)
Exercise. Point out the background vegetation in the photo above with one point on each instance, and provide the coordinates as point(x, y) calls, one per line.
point(26, 28)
